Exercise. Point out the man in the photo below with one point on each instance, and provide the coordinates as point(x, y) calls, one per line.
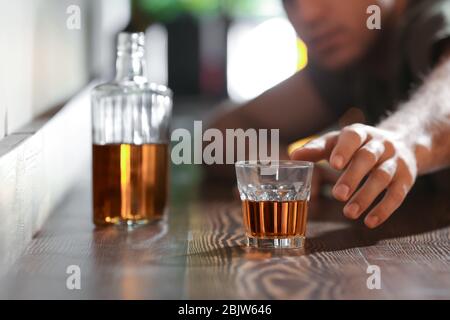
point(404, 66)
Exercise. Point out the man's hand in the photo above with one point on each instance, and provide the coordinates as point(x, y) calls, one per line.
point(382, 156)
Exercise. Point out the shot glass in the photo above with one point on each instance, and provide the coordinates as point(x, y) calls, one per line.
point(275, 199)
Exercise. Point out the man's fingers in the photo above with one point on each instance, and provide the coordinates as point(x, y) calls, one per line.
point(393, 198)
point(350, 140)
point(376, 183)
point(362, 163)
point(317, 149)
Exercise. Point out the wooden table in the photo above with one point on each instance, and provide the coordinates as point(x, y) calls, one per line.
point(199, 253)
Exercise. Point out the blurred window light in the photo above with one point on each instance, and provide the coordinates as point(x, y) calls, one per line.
point(261, 56)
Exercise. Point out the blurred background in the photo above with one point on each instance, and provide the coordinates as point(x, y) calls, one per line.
point(206, 51)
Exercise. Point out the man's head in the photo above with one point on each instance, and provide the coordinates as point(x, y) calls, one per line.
point(335, 31)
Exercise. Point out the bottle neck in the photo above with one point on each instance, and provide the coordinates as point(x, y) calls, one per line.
point(130, 68)
point(130, 63)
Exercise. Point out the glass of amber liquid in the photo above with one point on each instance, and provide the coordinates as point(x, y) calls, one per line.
point(275, 199)
point(130, 133)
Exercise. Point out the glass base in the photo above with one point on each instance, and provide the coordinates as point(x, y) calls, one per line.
point(282, 243)
point(129, 223)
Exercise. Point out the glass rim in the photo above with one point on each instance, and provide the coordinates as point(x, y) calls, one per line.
point(289, 164)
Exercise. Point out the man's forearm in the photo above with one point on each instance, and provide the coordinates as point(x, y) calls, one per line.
point(293, 106)
point(424, 121)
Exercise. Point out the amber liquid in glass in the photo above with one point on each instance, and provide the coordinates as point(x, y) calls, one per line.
point(130, 183)
point(275, 219)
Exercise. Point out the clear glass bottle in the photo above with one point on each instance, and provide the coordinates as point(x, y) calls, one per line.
point(130, 135)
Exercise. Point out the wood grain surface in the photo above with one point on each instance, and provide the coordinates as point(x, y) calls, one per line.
point(200, 254)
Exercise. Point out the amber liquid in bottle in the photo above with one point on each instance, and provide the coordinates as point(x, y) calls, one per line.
point(130, 183)
point(275, 219)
